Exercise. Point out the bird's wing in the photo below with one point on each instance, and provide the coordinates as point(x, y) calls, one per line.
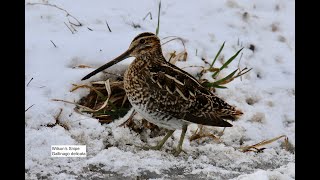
point(179, 94)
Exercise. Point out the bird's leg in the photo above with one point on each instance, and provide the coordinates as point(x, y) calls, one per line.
point(179, 146)
point(160, 144)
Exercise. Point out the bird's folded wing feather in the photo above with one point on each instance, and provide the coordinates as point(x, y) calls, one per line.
point(179, 94)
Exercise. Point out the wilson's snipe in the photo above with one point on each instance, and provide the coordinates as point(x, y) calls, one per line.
point(166, 95)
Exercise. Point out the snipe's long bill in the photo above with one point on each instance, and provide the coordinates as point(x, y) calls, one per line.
point(166, 95)
point(109, 64)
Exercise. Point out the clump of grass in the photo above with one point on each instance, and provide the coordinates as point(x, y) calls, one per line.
point(106, 101)
point(233, 75)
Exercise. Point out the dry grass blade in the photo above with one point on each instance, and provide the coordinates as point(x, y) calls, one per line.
point(172, 55)
point(69, 28)
point(82, 66)
point(174, 38)
point(288, 146)
point(55, 6)
point(103, 105)
point(193, 66)
point(124, 100)
point(182, 55)
point(107, 86)
point(200, 134)
point(84, 107)
point(242, 73)
point(80, 86)
point(87, 86)
point(174, 58)
point(98, 82)
point(262, 143)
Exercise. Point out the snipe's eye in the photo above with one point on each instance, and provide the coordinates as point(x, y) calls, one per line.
point(142, 41)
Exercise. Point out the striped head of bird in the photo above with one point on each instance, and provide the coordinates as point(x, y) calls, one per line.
point(142, 45)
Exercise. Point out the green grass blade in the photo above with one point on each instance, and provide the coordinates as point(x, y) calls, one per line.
point(158, 26)
point(217, 55)
point(227, 63)
point(225, 78)
point(218, 86)
point(208, 84)
point(230, 60)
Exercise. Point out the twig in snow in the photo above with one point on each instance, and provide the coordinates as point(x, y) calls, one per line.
point(68, 27)
point(71, 25)
point(74, 23)
point(68, 14)
point(53, 43)
point(135, 25)
point(89, 29)
point(149, 13)
point(204, 60)
point(29, 82)
point(28, 108)
point(262, 143)
point(108, 26)
point(57, 118)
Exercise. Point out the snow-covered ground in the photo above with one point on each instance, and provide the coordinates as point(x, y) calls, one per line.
point(266, 94)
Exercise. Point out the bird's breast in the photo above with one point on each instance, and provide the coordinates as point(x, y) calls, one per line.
point(135, 84)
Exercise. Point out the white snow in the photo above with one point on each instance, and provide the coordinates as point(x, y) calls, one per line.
point(205, 25)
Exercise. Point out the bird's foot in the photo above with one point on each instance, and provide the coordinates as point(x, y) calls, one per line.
point(160, 144)
point(177, 151)
point(157, 147)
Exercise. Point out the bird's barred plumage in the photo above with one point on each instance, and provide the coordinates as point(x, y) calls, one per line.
point(165, 94)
